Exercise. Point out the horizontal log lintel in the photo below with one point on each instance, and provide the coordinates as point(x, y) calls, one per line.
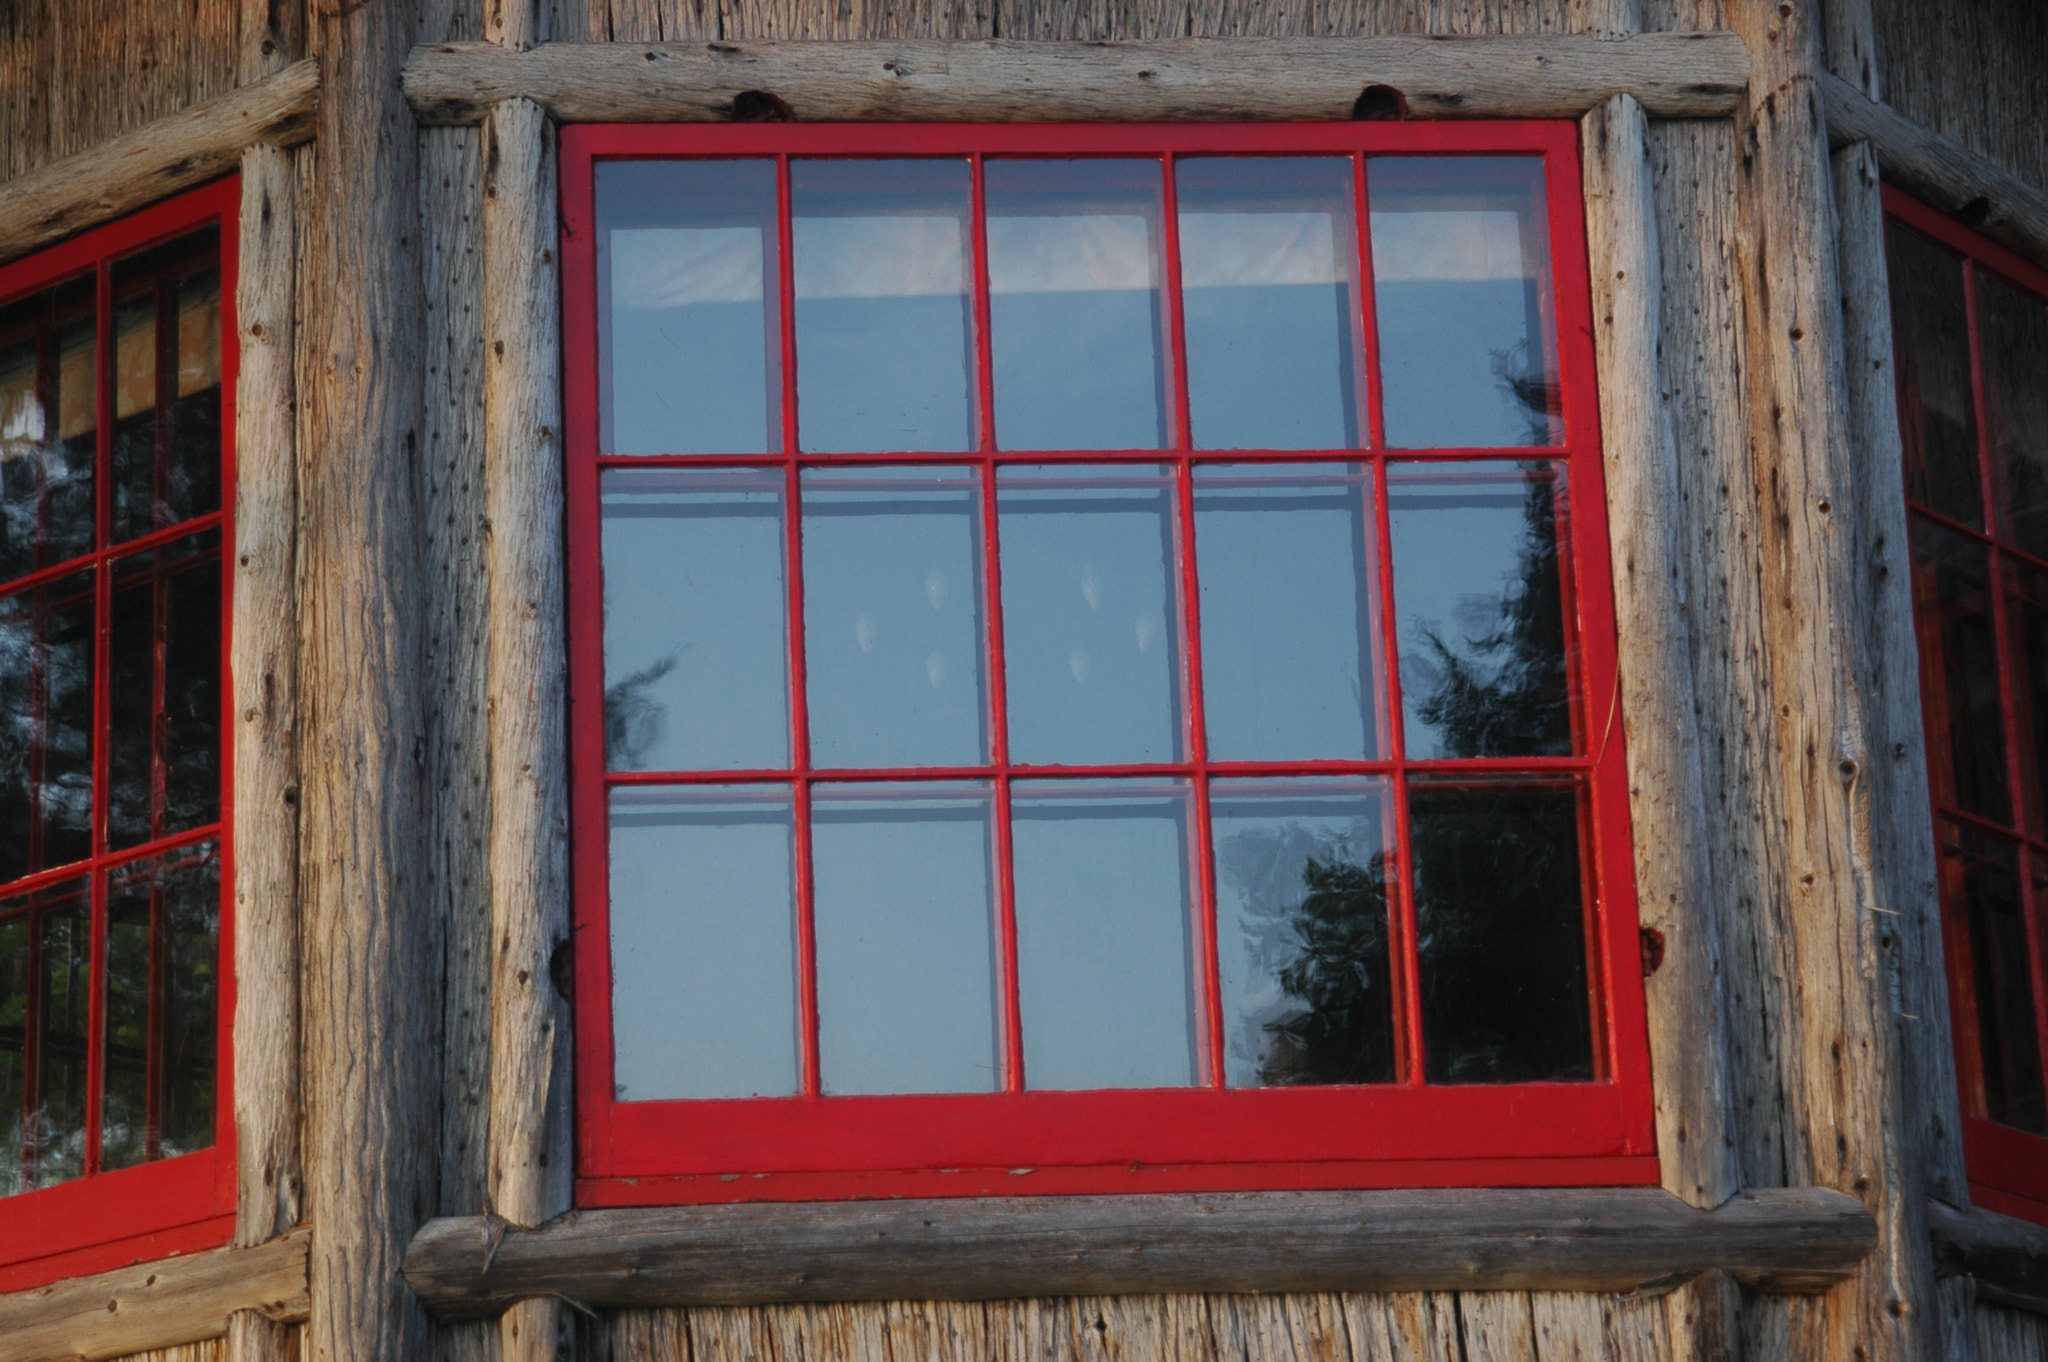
point(1940, 172)
point(2008, 1257)
point(156, 1305)
point(1674, 75)
point(1604, 1240)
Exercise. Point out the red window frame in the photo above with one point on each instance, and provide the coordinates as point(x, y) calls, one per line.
point(104, 1220)
point(1012, 1142)
point(2007, 1166)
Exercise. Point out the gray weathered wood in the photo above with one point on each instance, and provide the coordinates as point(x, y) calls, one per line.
point(371, 978)
point(156, 1305)
point(1507, 1240)
point(253, 1337)
point(137, 168)
point(1673, 75)
point(1944, 174)
point(1835, 1089)
point(264, 663)
point(272, 37)
point(2008, 1258)
point(529, 854)
point(1667, 786)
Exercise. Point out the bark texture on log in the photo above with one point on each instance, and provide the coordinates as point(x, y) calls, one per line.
point(1675, 75)
point(263, 658)
point(136, 169)
point(1830, 1082)
point(1942, 173)
point(1667, 787)
point(155, 1305)
point(1503, 1240)
point(371, 1001)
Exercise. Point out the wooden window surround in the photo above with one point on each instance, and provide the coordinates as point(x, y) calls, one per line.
point(784, 1086)
point(1970, 321)
point(117, 363)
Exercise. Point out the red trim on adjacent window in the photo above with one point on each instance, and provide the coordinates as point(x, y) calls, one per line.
point(2008, 1167)
point(1013, 1141)
point(166, 1206)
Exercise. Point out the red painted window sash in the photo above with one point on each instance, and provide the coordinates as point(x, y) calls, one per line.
point(2008, 1167)
point(622, 1146)
point(101, 1219)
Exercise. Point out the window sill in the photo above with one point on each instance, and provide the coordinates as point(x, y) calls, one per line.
point(1794, 1240)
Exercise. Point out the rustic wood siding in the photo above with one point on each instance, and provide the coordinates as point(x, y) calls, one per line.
point(1977, 72)
point(214, 1350)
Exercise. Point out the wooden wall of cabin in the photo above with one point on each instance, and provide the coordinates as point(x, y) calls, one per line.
point(73, 72)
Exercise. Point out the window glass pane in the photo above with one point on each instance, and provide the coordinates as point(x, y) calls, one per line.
point(1461, 285)
point(696, 638)
point(167, 400)
point(46, 676)
point(1266, 252)
point(883, 301)
point(163, 749)
point(703, 921)
point(1104, 948)
point(1301, 930)
point(48, 415)
point(892, 616)
point(691, 349)
point(2015, 350)
point(1987, 925)
point(1931, 346)
point(1075, 319)
point(1500, 930)
point(1478, 601)
point(162, 992)
point(62, 923)
point(15, 934)
point(1959, 671)
point(2026, 616)
point(904, 913)
point(1288, 569)
point(1091, 634)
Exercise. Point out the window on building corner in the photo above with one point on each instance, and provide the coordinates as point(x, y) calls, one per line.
point(1091, 653)
point(1970, 327)
point(112, 632)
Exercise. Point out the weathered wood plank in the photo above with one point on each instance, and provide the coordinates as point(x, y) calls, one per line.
point(1836, 1089)
point(264, 663)
point(1972, 72)
point(155, 1305)
point(1497, 1326)
point(1943, 173)
point(1667, 783)
point(270, 36)
point(1673, 75)
point(371, 949)
point(137, 168)
point(1567, 1240)
point(1409, 1326)
point(2008, 1258)
point(2004, 1335)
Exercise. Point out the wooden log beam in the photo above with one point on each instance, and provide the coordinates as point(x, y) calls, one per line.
point(1674, 75)
point(1942, 173)
point(2007, 1258)
point(136, 169)
point(157, 1305)
point(1611, 1239)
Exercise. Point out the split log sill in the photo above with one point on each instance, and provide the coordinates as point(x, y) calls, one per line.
point(1620, 1240)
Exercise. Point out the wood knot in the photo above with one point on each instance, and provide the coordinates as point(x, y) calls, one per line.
point(1653, 951)
point(759, 106)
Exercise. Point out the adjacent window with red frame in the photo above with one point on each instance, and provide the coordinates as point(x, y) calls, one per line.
point(1092, 663)
point(116, 364)
point(1970, 327)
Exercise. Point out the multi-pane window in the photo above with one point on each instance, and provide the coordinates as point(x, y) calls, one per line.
point(112, 617)
point(1091, 649)
point(1971, 337)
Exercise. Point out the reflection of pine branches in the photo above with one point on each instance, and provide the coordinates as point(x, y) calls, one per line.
point(1536, 392)
point(1339, 974)
point(1504, 693)
point(633, 721)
